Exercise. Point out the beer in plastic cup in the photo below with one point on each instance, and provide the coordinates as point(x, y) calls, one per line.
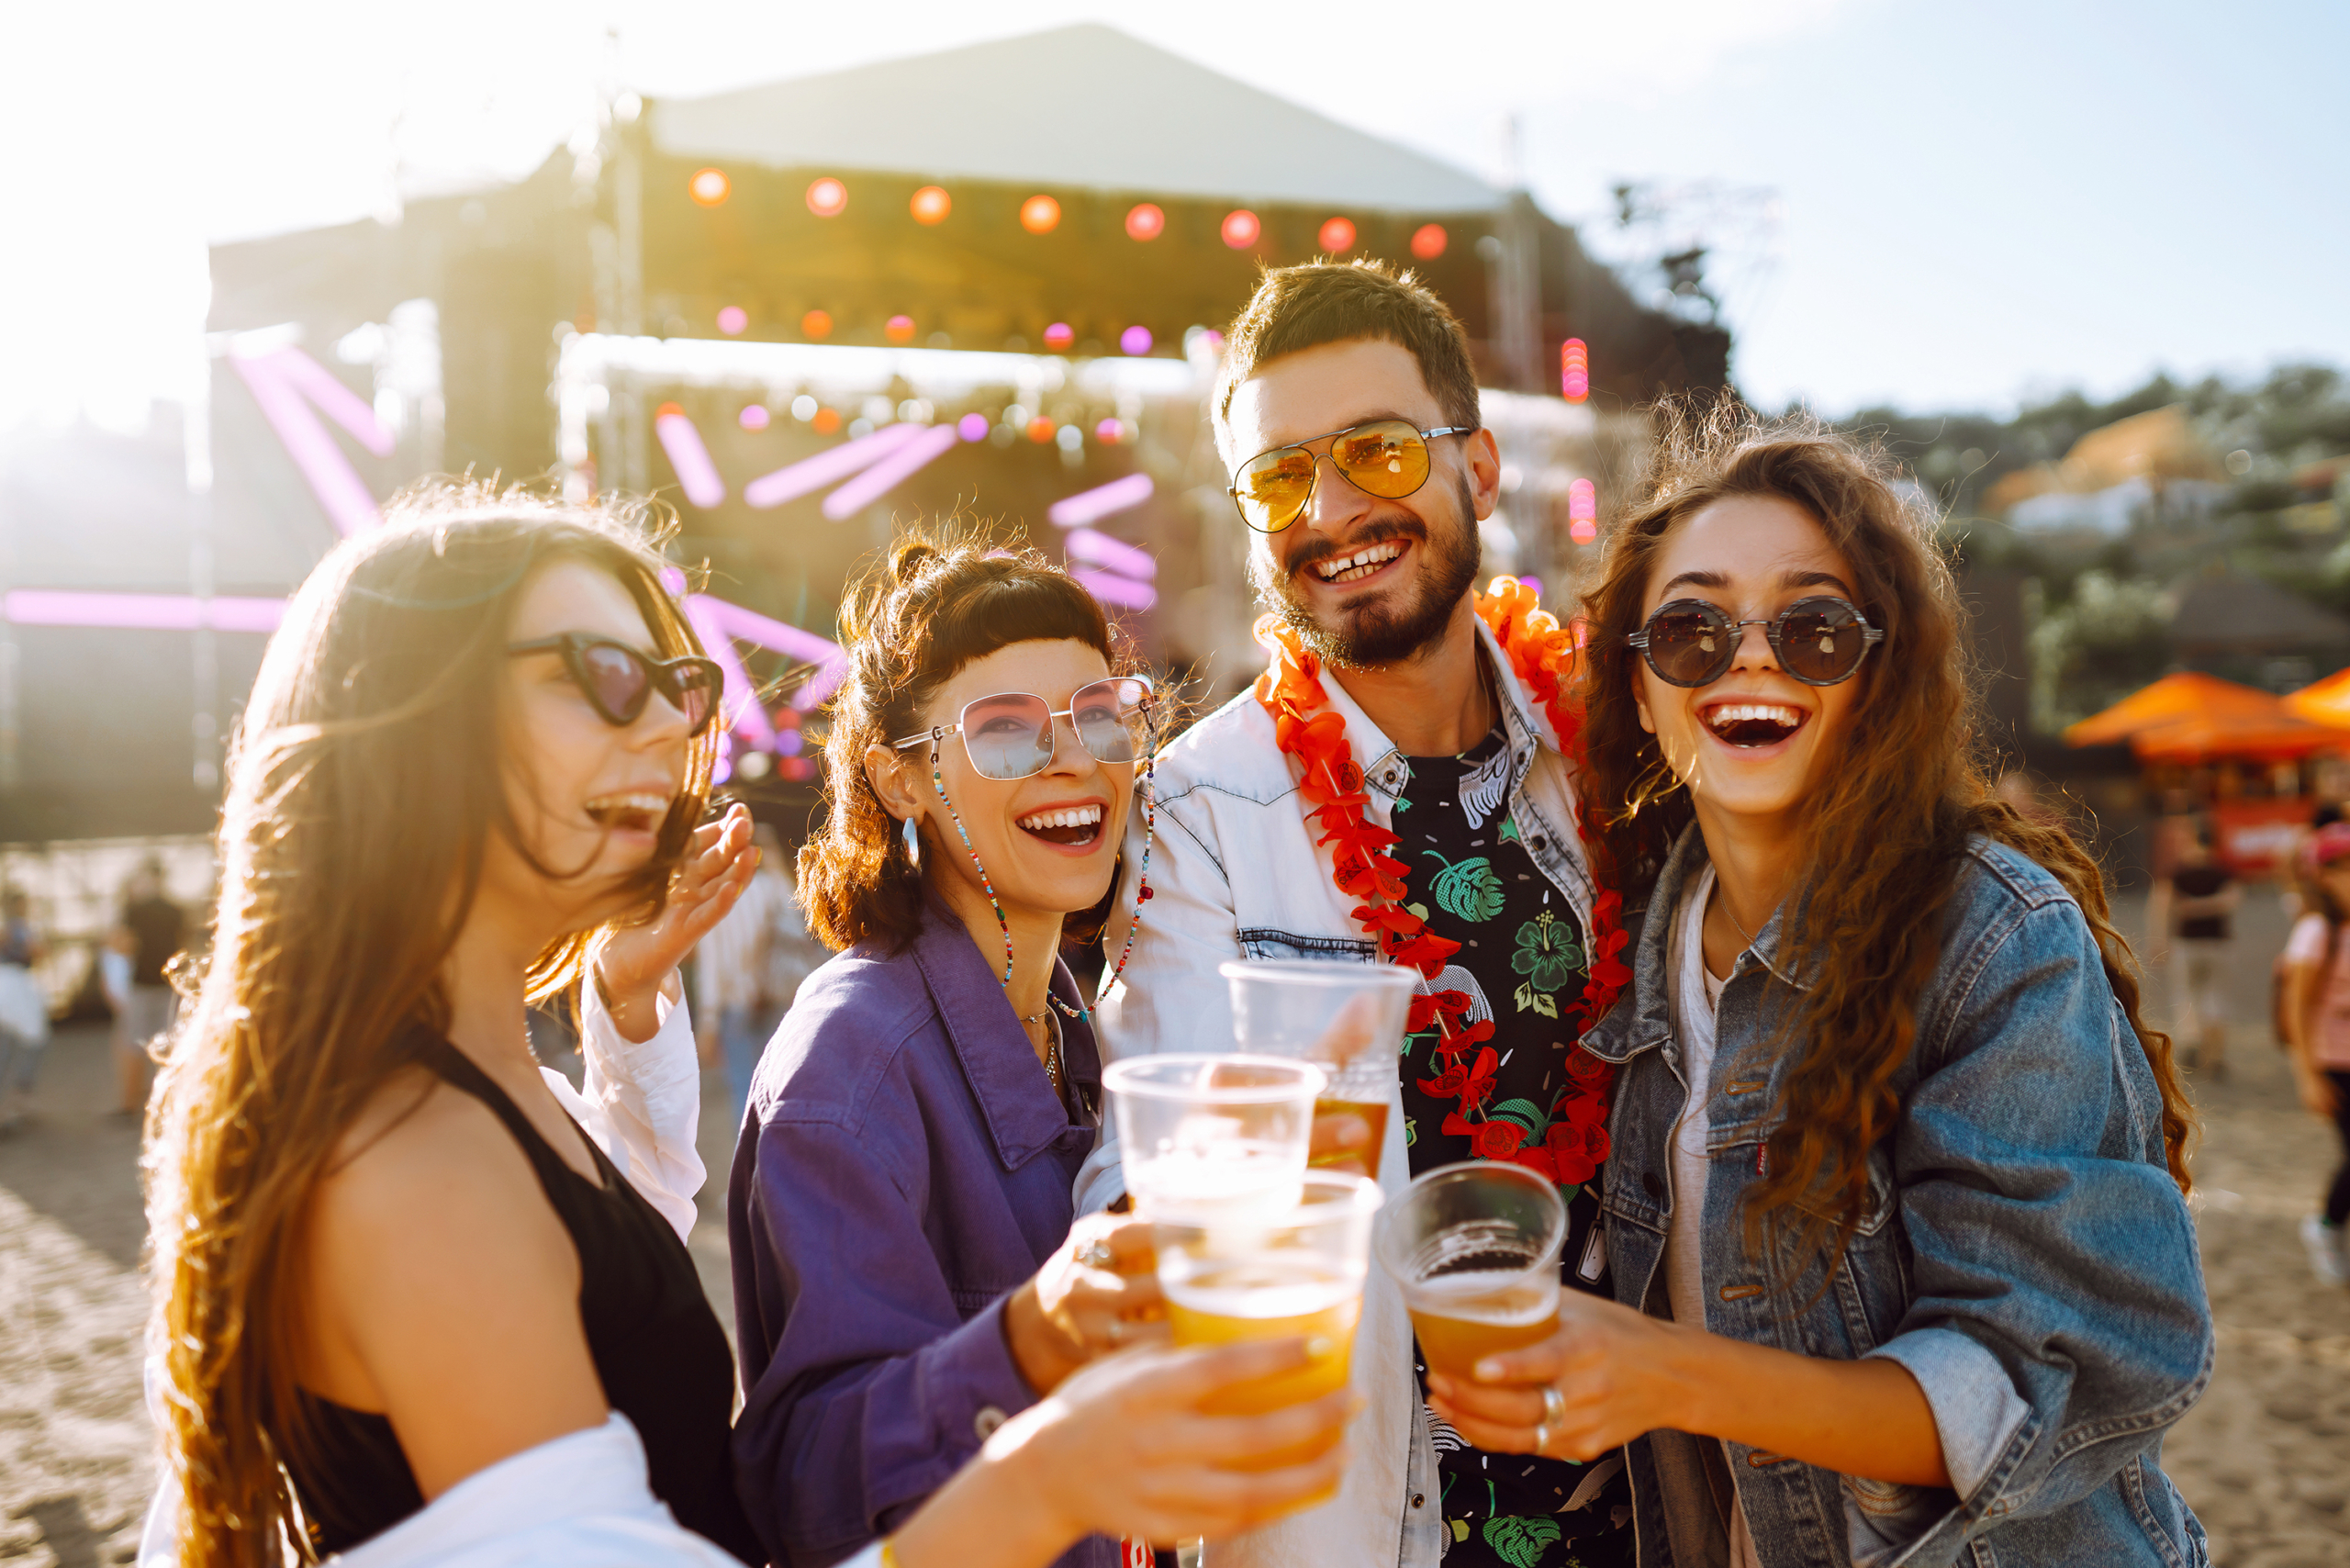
point(1348, 1017)
point(1475, 1247)
point(1296, 1273)
point(1209, 1137)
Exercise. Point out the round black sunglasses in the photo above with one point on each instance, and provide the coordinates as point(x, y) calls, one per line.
point(1820, 640)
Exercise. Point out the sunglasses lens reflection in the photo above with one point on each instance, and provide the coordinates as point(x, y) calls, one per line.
point(1113, 720)
point(697, 695)
point(1272, 488)
point(1820, 639)
point(1388, 459)
point(1689, 644)
point(617, 678)
point(1008, 736)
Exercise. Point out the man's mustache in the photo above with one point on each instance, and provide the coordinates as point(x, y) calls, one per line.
point(1377, 533)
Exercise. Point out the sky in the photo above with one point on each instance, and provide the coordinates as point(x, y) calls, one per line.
point(1935, 206)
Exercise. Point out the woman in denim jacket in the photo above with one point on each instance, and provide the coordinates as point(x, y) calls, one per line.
point(1909, 1277)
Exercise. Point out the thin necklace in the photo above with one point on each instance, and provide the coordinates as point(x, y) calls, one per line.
point(1733, 917)
point(1053, 1056)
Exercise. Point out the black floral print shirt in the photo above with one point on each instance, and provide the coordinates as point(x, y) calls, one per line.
point(1522, 964)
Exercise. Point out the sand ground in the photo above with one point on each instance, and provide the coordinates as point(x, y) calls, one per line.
point(2264, 1459)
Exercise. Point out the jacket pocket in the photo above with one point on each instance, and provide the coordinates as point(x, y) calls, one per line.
point(1262, 942)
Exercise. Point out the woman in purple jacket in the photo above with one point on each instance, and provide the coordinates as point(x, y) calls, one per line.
point(905, 1274)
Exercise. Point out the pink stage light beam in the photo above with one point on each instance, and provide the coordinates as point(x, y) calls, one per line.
point(1085, 545)
point(914, 452)
point(291, 387)
point(740, 699)
point(141, 611)
point(1116, 590)
point(1104, 500)
point(689, 456)
point(790, 483)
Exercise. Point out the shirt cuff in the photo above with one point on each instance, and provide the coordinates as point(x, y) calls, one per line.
point(1977, 1409)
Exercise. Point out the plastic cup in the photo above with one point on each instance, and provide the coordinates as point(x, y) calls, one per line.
point(1214, 1138)
point(1297, 1272)
point(1475, 1247)
point(1348, 1018)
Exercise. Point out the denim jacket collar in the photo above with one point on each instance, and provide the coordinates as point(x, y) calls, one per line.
point(1627, 1031)
point(1006, 1079)
point(1384, 766)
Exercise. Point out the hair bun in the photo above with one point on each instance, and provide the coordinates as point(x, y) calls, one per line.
point(907, 561)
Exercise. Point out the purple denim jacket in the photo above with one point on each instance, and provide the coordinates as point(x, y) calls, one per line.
point(904, 1167)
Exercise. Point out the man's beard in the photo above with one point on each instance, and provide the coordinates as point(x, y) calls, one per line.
point(1375, 635)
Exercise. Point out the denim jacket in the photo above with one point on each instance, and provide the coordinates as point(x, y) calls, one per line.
point(2026, 1255)
point(1234, 872)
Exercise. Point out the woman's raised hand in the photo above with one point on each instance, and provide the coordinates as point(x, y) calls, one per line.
point(636, 962)
point(1097, 1293)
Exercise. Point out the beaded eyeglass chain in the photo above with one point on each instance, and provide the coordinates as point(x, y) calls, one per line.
point(1142, 881)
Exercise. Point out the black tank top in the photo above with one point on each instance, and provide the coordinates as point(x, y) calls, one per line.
point(657, 1348)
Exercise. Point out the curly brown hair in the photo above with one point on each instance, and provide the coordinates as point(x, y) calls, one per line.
point(944, 597)
point(1885, 830)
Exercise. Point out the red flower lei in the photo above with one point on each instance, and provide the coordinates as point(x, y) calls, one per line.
point(1542, 653)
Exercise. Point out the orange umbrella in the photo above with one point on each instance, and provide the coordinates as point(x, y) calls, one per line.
point(2254, 737)
point(2324, 701)
point(2184, 696)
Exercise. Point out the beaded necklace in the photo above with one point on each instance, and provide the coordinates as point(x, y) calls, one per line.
point(1542, 654)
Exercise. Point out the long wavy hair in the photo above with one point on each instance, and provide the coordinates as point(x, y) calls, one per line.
point(1884, 827)
point(366, 775)
point(943, 595)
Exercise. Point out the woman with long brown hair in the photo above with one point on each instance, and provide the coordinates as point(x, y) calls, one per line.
point(1895, 1198)
point(391, 1251)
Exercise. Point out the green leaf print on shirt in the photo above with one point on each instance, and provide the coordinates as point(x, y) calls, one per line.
point(1547, 951)
point(1520, 1541)
point(1469, 889)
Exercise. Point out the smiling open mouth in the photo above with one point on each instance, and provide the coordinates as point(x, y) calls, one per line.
point(1071, 824)
point(639, 811)
point(1361, 564)
point(1748, 725)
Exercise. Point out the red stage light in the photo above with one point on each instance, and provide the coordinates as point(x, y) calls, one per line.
point(899, 329)
point(1145, 222)
point(709, 186)
point(1339, 234)
point(1040, 429)
point(1040, 214)
point(1241, 228)
point(1059, 336)
point(1428, 241)
point(1583, 512)
point(826, 422)
point(1574, 370)
point(931, 204)
point(816, 325)
point(827, 198)
point(668, 410)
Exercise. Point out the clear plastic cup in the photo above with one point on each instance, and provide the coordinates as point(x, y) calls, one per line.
point(1296, 1273)
point(1475, 1247)
point(1210, 1139)
point(1348, 1018)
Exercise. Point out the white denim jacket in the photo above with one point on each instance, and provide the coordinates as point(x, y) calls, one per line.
point(584, 1497)
point(1235, 873)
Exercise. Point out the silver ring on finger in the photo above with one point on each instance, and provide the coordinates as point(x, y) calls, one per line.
point(1541, 1439)
point(1098, 1254)
point(1118, 1332)
point(1554, 1405)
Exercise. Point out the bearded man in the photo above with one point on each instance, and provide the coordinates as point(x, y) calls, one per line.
point(1346, 414)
